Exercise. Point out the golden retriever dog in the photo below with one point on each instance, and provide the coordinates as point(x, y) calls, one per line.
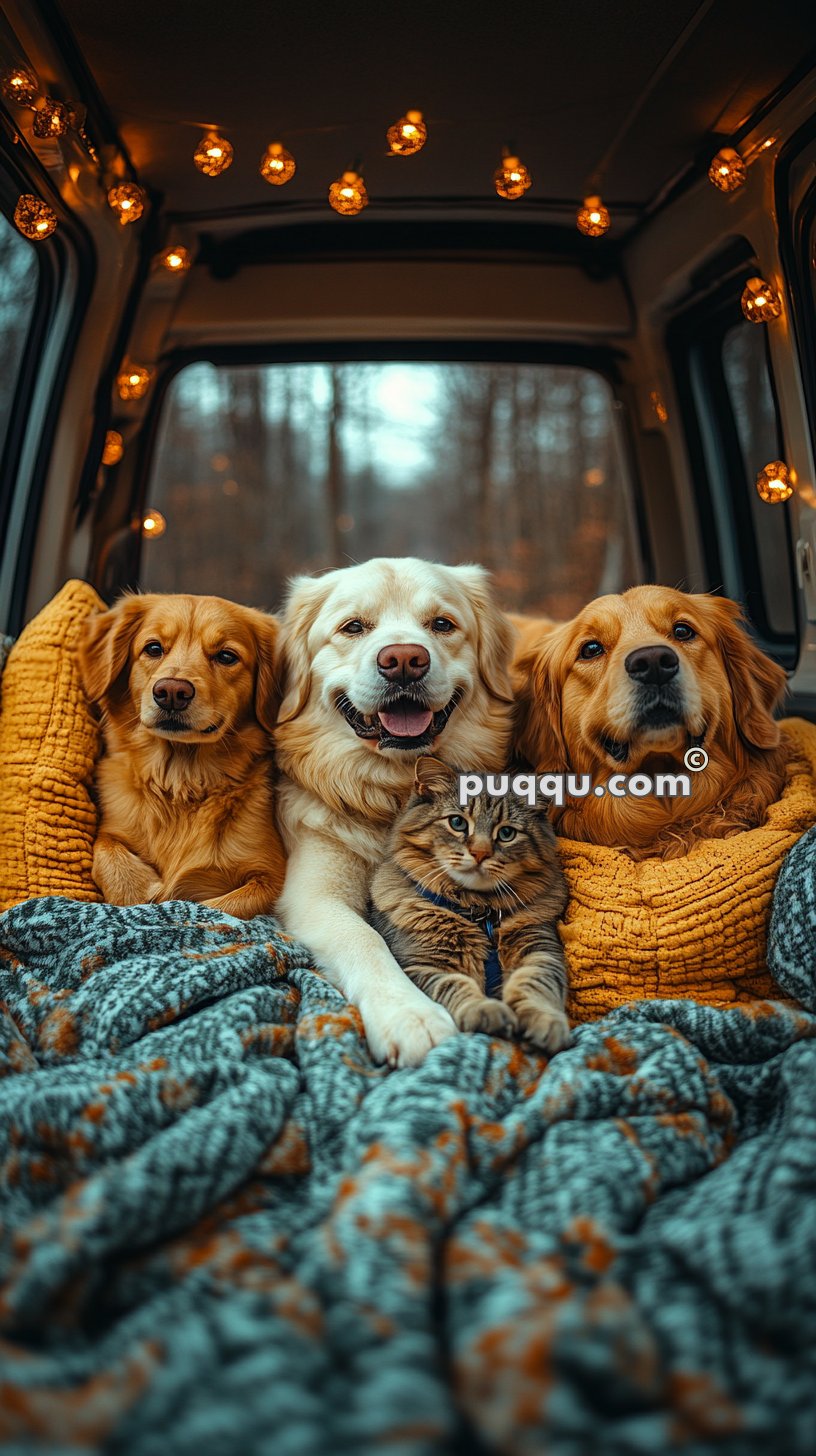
point(383, 662)
point(188, 694)
point(629, 686)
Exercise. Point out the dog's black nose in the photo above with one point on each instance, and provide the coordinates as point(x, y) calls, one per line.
point(403, 662)
point(652, 666)
point(173, 694)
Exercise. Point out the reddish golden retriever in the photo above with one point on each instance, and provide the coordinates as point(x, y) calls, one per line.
point(188, 693)
point(628, 686)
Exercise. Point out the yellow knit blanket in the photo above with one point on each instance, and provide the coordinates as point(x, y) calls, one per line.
point(694, 926)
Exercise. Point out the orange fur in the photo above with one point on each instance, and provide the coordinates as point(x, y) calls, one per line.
point(565, 706)
point(187, 816)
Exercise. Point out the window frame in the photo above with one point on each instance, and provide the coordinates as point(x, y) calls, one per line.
point(603, 361)
point(694, 339)
point(67, 262)
point(48, 271)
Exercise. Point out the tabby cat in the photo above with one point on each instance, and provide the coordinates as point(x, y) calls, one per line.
point(467, 900)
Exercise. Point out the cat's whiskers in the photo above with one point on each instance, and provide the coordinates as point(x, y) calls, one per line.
point(434, 880)
point(507, 888)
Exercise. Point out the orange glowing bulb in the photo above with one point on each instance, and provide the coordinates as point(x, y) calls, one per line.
point(153, 523)
point(408, 135)
point(593, 218)
point(175, 259)
point(277, 165)
point(133, 382)
point(760, 302)
point(727, 171)
point(774, 482)
point(114, 448)
point(34, 218)
point(213, 155)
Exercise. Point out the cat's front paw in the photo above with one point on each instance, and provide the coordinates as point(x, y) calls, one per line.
point(545, 1027)
point(494, 1017)
point(403, 1035)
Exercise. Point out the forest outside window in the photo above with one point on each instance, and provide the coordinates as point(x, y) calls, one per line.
point(264, 471)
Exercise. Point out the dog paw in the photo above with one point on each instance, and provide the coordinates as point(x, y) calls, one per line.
point(494, 1017)
point(544, 1027)
point(403, 1036)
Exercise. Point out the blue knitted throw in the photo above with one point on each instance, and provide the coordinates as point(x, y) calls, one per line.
point(224, 1230)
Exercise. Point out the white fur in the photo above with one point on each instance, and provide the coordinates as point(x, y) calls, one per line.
point(339, 794)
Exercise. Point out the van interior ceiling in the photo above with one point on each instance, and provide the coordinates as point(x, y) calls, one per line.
point(449, 371)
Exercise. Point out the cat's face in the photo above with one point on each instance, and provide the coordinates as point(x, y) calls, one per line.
point(486, 845)
point(483, 843)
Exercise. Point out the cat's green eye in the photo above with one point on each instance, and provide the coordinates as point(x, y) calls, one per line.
point(458, 822)
point(505, 833)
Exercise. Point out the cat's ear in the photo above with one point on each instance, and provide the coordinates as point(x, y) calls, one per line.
point(432, 776)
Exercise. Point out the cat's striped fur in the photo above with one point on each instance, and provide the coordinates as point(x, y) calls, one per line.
point(456, 854)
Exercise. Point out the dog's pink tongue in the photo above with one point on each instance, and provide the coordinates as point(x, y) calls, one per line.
point(406, 722)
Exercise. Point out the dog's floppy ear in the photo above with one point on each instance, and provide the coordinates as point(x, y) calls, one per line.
point(538, 677)
point(105, 645)
point(432, 776)
point(757, 683)
point(267, 678)
point(495, 633)
point(306, 596)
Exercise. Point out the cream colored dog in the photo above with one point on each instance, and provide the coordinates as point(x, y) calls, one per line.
point(382, 662)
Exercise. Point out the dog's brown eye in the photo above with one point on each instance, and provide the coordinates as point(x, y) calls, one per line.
point(683, 632)
point(153, 649)
point(443, 624)
point(592, 648)
point(352, 628)
point(225, 657)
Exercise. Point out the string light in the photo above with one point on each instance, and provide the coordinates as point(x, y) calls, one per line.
point(760, 302)
point(127, 201)
point(153, 524)
point(511, 179)
point(727, 170)
point(774, 483)
point(277, 165)
point(34, 218)
point(593, 218)
point(656, 401)
point(213, 154)
point(51, 119)
point(133, 382)
point(174, 259)
point(20, 86)
point(408, 135)
point(348, 194)
point(594, 477)
point(114, 448)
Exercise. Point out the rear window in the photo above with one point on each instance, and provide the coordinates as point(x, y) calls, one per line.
point(19, 274)
point(260, 472)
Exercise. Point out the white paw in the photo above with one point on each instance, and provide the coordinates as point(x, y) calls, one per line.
point(402, 1035)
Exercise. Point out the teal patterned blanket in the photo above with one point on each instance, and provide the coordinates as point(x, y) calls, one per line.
point(224, 1230)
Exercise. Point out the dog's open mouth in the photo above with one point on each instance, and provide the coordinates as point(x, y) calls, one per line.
point(402, 722)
